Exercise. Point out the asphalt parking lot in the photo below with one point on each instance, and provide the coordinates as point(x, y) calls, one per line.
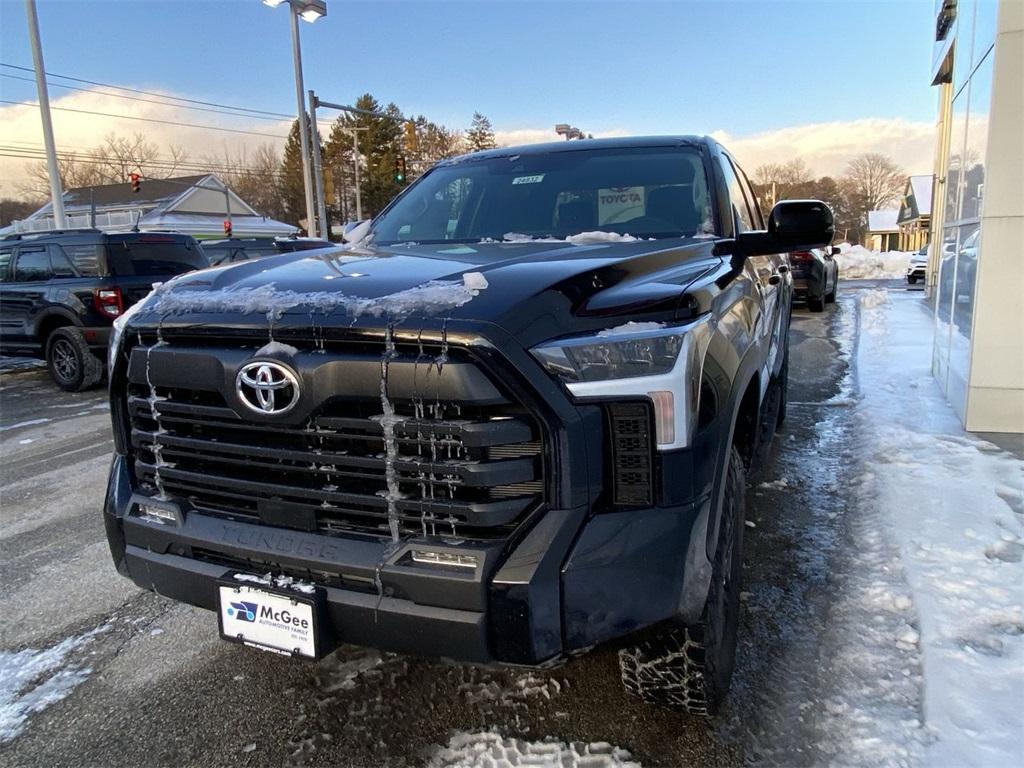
point(141, 680)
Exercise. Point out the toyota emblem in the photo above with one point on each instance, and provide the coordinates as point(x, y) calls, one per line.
point(267, 388)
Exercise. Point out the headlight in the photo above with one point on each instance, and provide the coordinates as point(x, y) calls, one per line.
point(659, 362)
point(633, 349)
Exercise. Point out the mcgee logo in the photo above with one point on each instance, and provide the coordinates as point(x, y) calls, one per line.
point(243, 611)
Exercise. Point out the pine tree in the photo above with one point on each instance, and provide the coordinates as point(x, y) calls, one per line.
point(291, 186)
point(480, 134)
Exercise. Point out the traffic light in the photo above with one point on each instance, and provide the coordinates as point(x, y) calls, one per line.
point(412, 139)
point(227, 227)
point(136, 181)
point(400, 169)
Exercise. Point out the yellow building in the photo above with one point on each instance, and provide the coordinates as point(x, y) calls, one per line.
point(976, 273)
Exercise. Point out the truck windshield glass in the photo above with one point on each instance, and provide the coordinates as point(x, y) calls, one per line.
point(154, 257)
point(645, 192)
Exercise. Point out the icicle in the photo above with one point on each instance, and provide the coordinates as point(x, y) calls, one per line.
point(387, 422)
point(153, 398)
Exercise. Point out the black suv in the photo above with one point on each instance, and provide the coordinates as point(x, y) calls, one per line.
point(510, 423)
point(60, 291)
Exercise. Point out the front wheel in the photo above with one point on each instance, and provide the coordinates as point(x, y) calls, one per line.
point(690, 668)
point(72, 365)
point(816, 305)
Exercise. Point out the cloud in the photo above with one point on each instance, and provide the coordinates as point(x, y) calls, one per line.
point(77, 132)
point(827, 147)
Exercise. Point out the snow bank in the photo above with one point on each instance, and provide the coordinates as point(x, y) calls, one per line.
point(858, 263)
point(954, 504)
point(631, 327)
point(485, 749)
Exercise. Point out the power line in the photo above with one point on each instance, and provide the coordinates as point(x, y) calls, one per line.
point(150, 93)
point(148, 119)
point(145, 101)
point(166, 165)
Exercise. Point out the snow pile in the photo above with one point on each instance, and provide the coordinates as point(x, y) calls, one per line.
point(858, 263)
point(488, 749)
point(31, 680)
point(954, 506)
point(281, 582)
point(276, 348)
point(582, 238)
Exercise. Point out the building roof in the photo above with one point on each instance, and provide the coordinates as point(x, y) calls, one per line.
point(921, 187)
point(883, 221)
point(150, 191)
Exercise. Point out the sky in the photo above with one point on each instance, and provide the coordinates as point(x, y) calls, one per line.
point(772, 79)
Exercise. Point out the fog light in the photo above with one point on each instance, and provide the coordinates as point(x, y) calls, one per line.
point(159, 514)
point(444, 559)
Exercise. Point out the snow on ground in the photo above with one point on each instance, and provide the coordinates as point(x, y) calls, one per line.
point(858, 263)
point(488, 749)
point(954, 504)
point(12, 364)
point(31, 680)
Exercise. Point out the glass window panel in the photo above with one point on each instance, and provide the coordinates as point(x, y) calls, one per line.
point(985, 21)
point(976, 143)
point(962, 48)
point(958, 129)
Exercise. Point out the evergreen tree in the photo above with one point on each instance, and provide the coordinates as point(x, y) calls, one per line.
point(291, 186)
point(379, 148)
point(480, 134)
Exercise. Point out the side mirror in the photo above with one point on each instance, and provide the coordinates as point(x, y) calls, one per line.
point(355, 231)
point(834, 250)
point(793, 225)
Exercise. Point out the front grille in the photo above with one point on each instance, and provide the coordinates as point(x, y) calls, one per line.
point(462, 471)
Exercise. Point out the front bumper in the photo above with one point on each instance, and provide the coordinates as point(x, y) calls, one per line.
point(572, 581)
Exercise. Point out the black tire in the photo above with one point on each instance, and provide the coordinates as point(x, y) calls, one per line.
point(816, 305)
point(912, 279)
point(830, 298)
point(690, 668)
point(72, 365)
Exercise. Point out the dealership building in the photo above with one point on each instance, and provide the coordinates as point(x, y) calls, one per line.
point(976, 267)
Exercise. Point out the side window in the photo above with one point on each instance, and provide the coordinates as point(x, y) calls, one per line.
point(60, 265)
point(85, 258)
point(741, 213)
point(5, 264)
point(752, 201)
point(33, 265)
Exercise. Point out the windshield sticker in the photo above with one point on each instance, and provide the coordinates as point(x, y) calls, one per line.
point(528, 179)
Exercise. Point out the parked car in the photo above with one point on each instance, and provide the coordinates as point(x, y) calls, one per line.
point(815, 276)
point(918, 268)
point(511, 424)
point(234, 249)
point(60, 291)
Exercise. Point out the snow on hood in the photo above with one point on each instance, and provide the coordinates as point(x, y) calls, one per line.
point(433, 297)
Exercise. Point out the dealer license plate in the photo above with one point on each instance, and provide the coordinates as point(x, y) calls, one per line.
point(271, 621)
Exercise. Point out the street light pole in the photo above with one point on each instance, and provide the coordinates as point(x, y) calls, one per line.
point(318, 174)
point(355, 161)
point(56, 193)
point(304, 135)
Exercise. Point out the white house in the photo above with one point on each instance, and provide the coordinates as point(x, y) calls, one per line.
point(193, 205)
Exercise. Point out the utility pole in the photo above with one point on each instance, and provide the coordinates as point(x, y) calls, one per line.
point(355, 161)
point(318, 175)
point(56, 193)
point(304, 134)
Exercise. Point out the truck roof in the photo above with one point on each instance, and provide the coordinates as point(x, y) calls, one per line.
point(576, 145)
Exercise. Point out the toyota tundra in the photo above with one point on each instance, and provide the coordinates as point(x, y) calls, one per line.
point(508, 421)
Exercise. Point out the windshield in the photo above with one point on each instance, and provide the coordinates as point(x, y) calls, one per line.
point(643, 192)
point(153, 256)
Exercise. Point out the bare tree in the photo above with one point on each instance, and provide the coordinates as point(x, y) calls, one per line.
point(873, 180)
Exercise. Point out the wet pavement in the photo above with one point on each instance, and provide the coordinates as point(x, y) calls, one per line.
point(144, 680)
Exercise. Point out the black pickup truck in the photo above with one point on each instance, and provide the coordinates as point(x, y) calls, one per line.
point(508, 422)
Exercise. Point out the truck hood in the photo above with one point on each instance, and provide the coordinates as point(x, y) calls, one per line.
point(540, 288)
